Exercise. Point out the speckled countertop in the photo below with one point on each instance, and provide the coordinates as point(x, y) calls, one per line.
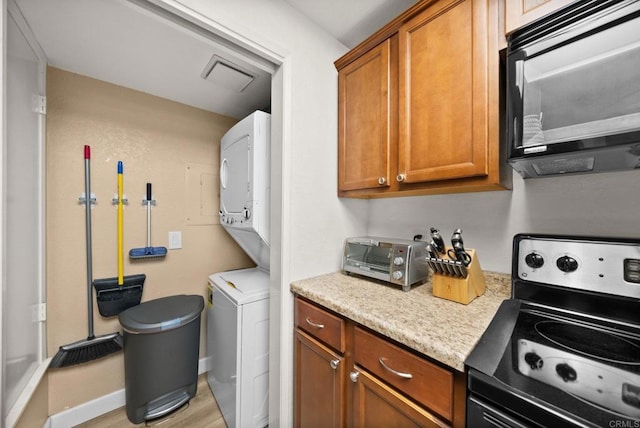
point(441, 329)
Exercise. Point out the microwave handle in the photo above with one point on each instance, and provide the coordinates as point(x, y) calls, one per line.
point(515, 98)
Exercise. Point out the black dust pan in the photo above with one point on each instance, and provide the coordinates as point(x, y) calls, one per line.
point(117, 294)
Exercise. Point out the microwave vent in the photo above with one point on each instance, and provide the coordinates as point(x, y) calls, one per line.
point(563, 166)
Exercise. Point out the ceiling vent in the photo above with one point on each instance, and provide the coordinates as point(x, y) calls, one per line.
point(226, 74)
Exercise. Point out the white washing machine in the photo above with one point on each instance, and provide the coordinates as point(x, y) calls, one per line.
point(238, 344)
point(238, 307)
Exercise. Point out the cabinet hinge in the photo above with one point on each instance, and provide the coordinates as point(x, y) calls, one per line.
point(39, 312)
point(39, 104)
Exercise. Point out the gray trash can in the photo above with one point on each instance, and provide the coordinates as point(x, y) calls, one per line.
point(161, 350)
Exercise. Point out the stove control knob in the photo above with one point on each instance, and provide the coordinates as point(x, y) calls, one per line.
point(567, 264)
point(534, 260)
point(534, 360)
point(566, 372)
point(398, 261)
point(397, 275)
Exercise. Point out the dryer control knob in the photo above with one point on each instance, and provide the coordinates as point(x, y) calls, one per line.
point(246, 213)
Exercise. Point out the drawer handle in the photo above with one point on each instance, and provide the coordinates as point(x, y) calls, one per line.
point(354, 376)
point(312, 324)
point(397, 373)
point(334, 364)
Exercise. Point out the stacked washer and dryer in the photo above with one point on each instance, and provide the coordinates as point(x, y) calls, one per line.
point(238, 304)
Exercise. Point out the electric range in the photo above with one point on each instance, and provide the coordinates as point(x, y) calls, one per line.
point(565, 349)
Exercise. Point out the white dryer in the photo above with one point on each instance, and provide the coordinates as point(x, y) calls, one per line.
point(245, 189)
point(238, 310)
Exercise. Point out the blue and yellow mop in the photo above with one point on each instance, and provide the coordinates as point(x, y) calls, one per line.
point(114, 295)
point(148, 252)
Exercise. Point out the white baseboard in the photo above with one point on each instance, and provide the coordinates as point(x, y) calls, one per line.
point(101, 405)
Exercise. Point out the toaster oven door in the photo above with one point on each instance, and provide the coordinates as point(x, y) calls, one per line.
point(371, 260)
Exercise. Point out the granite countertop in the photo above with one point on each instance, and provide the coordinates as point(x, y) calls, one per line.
point(441, 329)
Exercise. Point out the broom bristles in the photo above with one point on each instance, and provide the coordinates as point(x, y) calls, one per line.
point(87, 350)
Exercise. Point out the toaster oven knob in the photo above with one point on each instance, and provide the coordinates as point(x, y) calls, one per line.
point(397, 275)
point(567, 264)
point(398, 261)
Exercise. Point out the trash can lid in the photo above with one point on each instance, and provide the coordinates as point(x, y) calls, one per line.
point(162, 314)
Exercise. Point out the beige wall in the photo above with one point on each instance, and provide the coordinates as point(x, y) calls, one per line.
point(157, 140)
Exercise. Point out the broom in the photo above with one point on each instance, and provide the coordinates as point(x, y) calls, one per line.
point(92, 347)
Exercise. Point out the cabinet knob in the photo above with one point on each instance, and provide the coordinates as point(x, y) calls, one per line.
point(382, 181)
point(354, 376)
point(400, 178)
point(334, 364)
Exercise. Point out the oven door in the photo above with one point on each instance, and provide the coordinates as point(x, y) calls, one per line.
point(573, 90)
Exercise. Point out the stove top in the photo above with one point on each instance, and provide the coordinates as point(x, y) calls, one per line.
point(566, 346)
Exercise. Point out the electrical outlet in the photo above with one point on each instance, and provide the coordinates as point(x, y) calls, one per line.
point(175, 240)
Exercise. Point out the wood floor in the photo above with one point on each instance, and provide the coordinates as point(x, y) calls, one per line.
point(203, 411)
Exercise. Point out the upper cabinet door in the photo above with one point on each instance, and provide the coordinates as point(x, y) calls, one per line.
point(522, 12)
point(443, 92)
point(364, 120)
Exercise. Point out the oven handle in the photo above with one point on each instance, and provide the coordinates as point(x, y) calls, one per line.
point(493, 416)
point(494, 421)
point(397, 373)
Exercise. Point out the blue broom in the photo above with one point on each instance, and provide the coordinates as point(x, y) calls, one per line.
point(148, 252)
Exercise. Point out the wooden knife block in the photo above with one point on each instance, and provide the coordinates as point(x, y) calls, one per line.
point(461, 290)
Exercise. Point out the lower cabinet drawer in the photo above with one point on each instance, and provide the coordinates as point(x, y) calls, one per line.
point(416, 377)
point(321, 324)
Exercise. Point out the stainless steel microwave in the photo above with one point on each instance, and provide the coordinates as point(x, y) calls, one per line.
point(573, 90)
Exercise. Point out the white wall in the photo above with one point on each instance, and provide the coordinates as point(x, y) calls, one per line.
point(606, 204)
point(313, 222)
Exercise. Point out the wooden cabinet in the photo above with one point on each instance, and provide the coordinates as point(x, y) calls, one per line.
point(319, 384)
point(346, 375)
point(418, 104)
point(367, 114)
point(377, 405)
point(320, 377)
point(522, 12)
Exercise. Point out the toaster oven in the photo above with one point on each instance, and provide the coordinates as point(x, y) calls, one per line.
point(397, 261)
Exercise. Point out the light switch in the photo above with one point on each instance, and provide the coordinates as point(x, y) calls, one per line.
point(175, 240)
